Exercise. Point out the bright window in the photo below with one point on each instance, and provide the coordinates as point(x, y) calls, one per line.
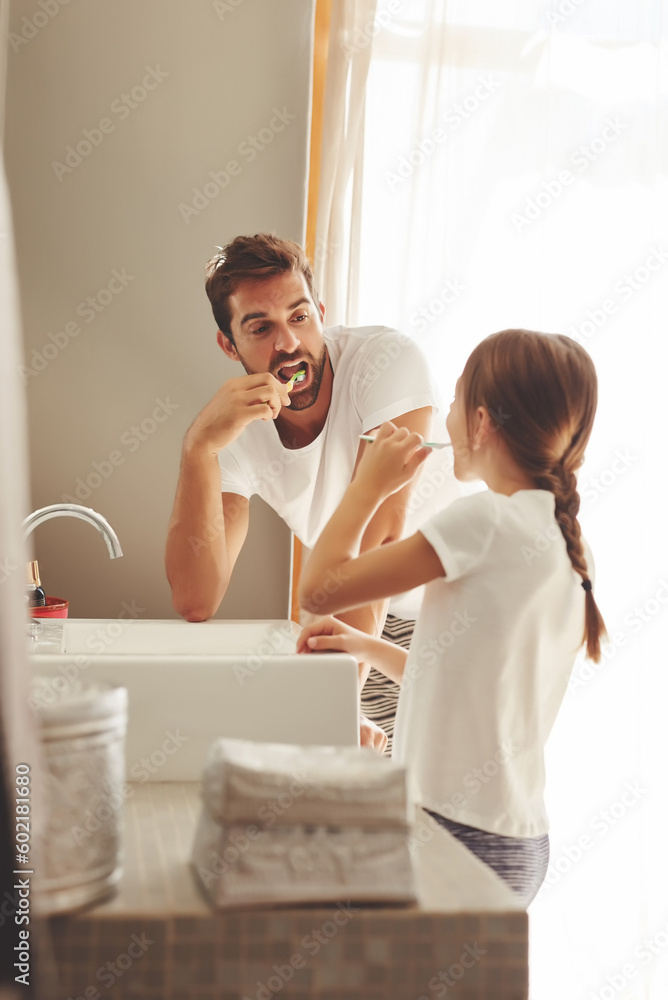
point(515, 165)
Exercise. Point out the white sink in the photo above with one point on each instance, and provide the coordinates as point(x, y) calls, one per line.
point(143, 635)
point(191, 683)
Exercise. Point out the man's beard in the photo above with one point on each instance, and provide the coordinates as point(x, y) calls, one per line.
point(306, 397)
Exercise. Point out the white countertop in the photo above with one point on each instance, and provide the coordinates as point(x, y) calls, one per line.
point(157, 881)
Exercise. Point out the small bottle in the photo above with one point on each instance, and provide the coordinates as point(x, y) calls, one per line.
point(35, 593)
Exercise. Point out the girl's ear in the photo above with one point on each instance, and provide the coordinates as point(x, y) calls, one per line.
point(482, 428)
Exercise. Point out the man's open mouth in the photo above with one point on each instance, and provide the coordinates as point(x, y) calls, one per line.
point(288, 371)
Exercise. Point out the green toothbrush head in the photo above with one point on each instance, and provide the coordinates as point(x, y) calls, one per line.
point(297, 377)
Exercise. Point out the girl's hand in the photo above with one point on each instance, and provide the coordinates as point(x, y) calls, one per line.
point(371, 735)
point(391, 461)
point(331, 634)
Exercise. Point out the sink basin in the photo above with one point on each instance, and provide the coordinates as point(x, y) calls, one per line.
point(191, 683)
point(176, 637)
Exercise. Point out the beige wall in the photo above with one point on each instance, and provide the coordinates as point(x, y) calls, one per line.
point(168, 92)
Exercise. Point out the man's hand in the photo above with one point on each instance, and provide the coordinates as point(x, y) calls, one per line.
point(237, 403)
point(199, 574)
point(372, 735)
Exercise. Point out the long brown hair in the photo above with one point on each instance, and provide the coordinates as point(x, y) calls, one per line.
point(541, 391)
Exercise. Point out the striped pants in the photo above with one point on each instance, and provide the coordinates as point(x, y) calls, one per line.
point(520, 861)
point(380, 695)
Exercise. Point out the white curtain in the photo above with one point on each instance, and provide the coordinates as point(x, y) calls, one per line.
point(353, 27)
point(514, 174)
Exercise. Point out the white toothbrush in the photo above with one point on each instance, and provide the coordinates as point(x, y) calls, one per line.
point(425, 444)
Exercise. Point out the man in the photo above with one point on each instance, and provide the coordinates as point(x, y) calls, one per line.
point(296, 444)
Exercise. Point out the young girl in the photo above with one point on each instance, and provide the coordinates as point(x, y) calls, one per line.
point(509, 599)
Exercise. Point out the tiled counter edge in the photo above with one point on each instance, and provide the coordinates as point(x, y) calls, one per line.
point(158, 939)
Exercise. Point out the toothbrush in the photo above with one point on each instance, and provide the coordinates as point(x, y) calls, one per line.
point(426, 444)
point(298, 376)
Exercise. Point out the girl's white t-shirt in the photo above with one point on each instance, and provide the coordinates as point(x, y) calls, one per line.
point(379, 374)
point(490, 659)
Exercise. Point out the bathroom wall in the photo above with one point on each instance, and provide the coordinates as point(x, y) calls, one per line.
point(138, 137)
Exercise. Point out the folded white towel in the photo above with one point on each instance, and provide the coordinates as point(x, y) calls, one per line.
point(244, 865)
point(280, 784)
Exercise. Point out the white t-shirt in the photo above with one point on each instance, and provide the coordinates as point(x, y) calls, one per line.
point(490, 659)
point(379, 374)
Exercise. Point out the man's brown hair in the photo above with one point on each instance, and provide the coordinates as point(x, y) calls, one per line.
point(251, 258)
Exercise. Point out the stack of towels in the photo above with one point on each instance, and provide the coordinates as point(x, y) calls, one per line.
point(295, 824)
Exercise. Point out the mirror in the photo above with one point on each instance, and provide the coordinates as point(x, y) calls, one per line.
point(139, 137)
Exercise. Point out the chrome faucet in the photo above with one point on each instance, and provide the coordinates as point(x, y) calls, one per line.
point(85, 514)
